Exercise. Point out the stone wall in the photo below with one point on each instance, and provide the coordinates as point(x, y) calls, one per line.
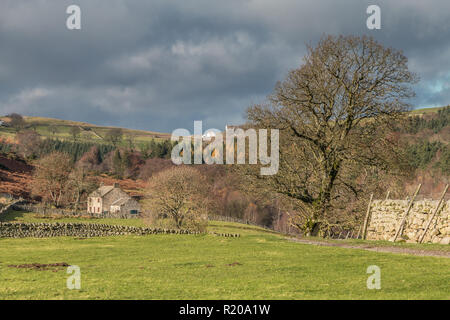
point(45, 230)
point(84, 230)
point(386, 216)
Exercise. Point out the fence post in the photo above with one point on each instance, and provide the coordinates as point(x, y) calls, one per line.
point(434, 214)
point(388, 193)
point(366, 220)
point(359, 232)
point(402, 223)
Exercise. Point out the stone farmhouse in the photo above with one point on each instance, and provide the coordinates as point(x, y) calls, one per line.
point(112, 201)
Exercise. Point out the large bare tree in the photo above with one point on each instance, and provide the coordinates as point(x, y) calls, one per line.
point(334, 113)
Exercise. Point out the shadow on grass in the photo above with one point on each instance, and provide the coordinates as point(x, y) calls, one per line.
point(242, 227)
point(12, 215)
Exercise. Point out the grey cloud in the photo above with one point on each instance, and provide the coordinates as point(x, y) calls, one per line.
point(159, 65)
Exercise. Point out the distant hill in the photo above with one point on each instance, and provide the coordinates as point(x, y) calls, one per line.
point(61, 129)
point(426, 110)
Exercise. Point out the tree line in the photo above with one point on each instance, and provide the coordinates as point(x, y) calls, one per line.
point(30, 145)
point(421, 154)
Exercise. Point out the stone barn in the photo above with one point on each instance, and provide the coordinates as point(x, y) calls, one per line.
point(112, 201)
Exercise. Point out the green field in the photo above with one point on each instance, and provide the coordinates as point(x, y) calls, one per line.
point(258, 265)
point(426, 110)
point(89, 132)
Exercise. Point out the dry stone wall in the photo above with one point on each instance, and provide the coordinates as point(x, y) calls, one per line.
point(85, 230)
point(45, 230)
point(386, 216)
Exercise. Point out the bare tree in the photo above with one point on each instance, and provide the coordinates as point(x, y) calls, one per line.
point(53, 129)
point(131, 138)
point(75, 132)
point(28, 143)
point(17, 121)
point(179, 194)
point(79, 185)
point(153, 166)
point(334, 113)
point(90, 160)
point(51, 177)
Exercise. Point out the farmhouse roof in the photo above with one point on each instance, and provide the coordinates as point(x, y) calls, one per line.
point(102, 191)
point(120, 202)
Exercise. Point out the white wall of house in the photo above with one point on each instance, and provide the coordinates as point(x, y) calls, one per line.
point(95, 205)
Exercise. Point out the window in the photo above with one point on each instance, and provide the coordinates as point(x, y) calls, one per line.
point(133, 211)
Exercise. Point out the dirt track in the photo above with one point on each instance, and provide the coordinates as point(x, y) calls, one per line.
point(371, 247)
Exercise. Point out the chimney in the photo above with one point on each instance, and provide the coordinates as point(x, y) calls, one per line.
point(116, 185)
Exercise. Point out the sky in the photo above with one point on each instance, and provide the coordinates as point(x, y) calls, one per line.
point(161, 64)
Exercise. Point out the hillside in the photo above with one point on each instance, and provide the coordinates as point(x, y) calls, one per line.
point(427, 136)
point(422, 111)
point(61, 129)
point(15, 177)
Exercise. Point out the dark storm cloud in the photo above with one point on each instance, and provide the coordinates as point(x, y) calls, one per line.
point(159, 65)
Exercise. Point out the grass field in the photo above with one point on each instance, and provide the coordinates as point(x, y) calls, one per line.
point(426, 110)
point(258, 265)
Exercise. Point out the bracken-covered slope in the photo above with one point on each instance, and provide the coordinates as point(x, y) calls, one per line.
point(15, 177)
